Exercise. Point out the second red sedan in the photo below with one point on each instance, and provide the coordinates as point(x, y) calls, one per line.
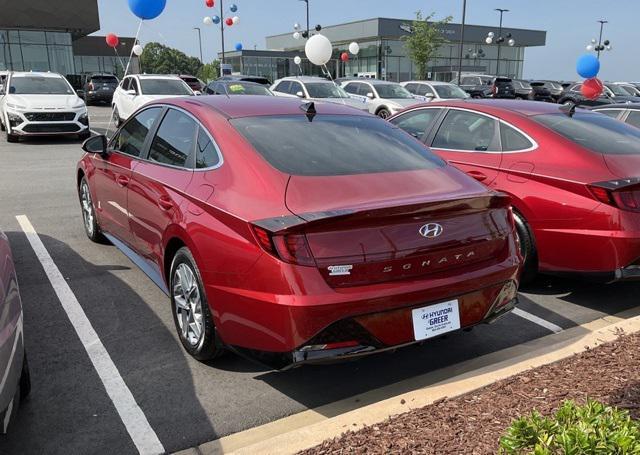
point(573, 177)
point(296, 232)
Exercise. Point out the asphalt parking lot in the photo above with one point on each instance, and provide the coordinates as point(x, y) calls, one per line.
point(186, 402)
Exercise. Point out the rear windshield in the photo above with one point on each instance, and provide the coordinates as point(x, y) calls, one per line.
point(247, 88)
point(257, 80)
point(104, 79)
point(164, 87)
point(334, 145)
point(596, 132)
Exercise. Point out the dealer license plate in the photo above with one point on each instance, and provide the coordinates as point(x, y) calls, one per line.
point(435, 320)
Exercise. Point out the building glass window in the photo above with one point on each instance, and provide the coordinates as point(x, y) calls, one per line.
point(27, 50)
point(35, 57)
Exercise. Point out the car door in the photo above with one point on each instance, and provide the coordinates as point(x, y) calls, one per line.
point(134, 100)
point(156, 191)
point(113, 172)
point(295, 89)
point(418, 122)
point(471, 142)
point(282, 89)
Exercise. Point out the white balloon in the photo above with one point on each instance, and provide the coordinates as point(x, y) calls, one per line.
point(609, 47)
point(593, 41)
point(590, 48)
point(318, 50)
point(512, 42)
point(489, 40)
point(207, 21)
point(491, 34)
point(297, 60)
point(137, 49)
point(354, 48)
point(235, 19)
point(297, 35)
point(296, 26)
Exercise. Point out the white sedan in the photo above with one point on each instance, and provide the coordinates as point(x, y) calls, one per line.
point(36, 104)
point(137, 90)
point(382, 98)
point(435, 90)
point(316, 89)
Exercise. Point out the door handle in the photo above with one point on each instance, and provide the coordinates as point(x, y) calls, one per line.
point(479, 176)
point(122, 180)
point(165, 203)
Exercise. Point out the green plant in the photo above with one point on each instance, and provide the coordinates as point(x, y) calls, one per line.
point(159, 59)
point(594, 428)
point(210, 71)
point(424, 41)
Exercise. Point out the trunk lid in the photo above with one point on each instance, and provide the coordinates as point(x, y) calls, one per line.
point(373, 228)
point(623, 166)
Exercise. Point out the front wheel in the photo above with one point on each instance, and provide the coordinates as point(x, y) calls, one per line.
point(91, 227)
point(116, 116)
point(11, 137)
point(191, 313)
point(384, 113)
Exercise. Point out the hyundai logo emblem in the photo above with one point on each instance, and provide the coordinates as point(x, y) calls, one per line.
point(431, 230)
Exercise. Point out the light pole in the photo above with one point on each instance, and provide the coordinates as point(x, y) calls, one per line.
point(500, 38)
point(200, 41)
point(222, 27)
point(307, 33)
point(600, 47)
point(464, 15)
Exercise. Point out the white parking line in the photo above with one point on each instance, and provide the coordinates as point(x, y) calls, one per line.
point(136, 423)
point(536, 320)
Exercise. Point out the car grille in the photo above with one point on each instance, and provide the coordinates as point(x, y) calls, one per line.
point(50, 116)
point(51, 128)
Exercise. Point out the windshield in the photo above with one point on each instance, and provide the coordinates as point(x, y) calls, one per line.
point(596, 132)
point(617, 90)
point(104, 79)
point(391, 91)
point(325, 90)
point(164, 87)
point(38, 85)
point(243, 88)
point(352, 144)
point(450, 91)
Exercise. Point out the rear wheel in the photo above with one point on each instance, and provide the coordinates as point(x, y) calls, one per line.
point(527, 249)
point(191, 313)
point(384, 113)
point(116, 116)
point(90, 221)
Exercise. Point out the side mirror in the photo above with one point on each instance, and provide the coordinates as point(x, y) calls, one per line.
point(370, 95)
point(80, 93)
point(96, 144)
point(300, 94)
point(197, 93)
point(131, 92)
point(430, 96)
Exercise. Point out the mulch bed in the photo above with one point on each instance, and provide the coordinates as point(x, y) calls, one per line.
point(473, 423)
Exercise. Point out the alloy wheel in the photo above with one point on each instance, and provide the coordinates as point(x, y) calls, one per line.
point(87, 208)
point(186, 295)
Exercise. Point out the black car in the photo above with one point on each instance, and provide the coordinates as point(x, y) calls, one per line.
point(541, 92)
point(100, 88)
point(555, 88)
point(612, 94)
point(523, 89)
point(483, 86)
point(236, 88)
point(193, 82)
point(240, 77)
point(627, 112)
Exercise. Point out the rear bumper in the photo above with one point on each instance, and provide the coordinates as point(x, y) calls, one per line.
point(99, 95)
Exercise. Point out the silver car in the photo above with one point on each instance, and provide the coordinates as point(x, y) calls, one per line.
point(15, 382)
point(381, 98)
point(315, 89)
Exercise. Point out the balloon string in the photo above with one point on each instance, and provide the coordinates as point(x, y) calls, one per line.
point(326, 70)
point(119, 58)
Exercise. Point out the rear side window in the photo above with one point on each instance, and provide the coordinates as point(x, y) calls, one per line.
point(174, 140)
point(598, 133)
point(283, 87)
point(424, 89)
point(512, 140)
point(131, 137)
point(634, 119)
point(206, 153)
point(462, 130)
point(334, 145)
point(351, 88)
point(613, 113)
point(417, 122)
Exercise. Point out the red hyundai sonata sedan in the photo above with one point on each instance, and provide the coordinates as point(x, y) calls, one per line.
point(573, 177)
point(294, 232)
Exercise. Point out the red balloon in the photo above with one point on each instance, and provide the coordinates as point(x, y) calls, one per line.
point(344, 57)
point(210, 3)
point(112, 40)
point(229, 21)
point(592, 88)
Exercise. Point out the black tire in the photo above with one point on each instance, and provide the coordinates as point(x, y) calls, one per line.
point(208, 346)
point(384, 113)
point(2, 128)
point(527, 249)
point(90, 223)
point(25, 379)
point(116, 116)
point(84, 135)
point(11, 137)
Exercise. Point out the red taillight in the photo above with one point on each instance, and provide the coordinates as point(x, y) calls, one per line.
point(494, 89)
point(291, 248)
point(601, 194)
point(613, 193)
point(91, 87)
point(629, 200)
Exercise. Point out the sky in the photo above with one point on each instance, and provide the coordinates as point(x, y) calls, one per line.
point(570, 25)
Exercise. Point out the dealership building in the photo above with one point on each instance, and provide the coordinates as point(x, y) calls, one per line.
point(383, 54)
point(48, 35)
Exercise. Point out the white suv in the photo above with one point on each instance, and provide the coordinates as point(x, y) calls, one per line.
point(137, 90)
point(37, 104)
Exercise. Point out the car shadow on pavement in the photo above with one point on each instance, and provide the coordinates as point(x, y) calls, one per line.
point(69, 410)
point(39, 141)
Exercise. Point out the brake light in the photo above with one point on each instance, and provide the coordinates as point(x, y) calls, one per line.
point(290, 248)
point(494, 89)
point(601, 194)
point(624, 194)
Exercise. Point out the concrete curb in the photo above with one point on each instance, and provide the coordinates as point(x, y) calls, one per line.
point(309, 428)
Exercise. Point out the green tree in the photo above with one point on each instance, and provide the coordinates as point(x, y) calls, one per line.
point(159, 59)
point(210, 71)
point(425, 40)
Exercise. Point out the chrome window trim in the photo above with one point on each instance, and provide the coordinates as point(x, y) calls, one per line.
point(529, 138)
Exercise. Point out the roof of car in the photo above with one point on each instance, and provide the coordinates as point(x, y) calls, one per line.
point(156, 76)
point(372, 81)
point(429, 82)
point(304, 79)
point(34, 74)
point(633, 106)
point(522, 107)
point(249, 106)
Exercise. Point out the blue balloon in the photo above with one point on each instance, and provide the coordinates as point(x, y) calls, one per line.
point(216, 19)
point(238, 46)
point(233, 7)
point(147, 9)
point(588, 66)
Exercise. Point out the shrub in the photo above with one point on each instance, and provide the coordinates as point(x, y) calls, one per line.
point(574, 430)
